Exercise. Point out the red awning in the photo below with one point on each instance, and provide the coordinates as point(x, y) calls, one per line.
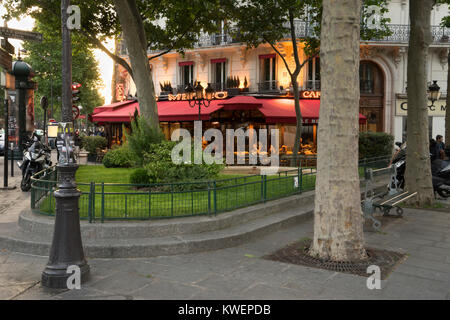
point(219, 60)
point(186, 63)
point(267, 56)
point(181, 111)
point(117, 112)
point(283, 111)
point(275, 110)
point(241, 103)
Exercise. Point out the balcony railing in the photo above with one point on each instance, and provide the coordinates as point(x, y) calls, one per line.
point(219, 86)
point(268, 86)
point(312, 85)
point(399, 34)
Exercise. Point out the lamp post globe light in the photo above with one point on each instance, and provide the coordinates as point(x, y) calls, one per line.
point(198, 96)
point(434, 92)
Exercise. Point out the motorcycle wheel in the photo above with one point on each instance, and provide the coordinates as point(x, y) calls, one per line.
point(443, 193)
point(25, 184)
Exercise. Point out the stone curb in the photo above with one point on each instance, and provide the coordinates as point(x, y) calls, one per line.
point(287, 214)
point(42, 225)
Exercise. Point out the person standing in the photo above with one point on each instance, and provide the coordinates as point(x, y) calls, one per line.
point(440, 147)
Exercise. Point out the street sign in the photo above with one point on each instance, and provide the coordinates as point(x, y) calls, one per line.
point(7, 46)
point(5, 59)
point(19, 34)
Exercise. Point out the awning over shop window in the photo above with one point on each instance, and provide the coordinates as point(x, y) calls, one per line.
point(219, 60)
point(267, 56)
point(275, 110)
point(186, 63)
point(117, 112)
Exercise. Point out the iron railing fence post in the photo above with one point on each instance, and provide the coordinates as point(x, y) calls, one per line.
point(91, 198)
point(103, 202)
point(215, 197)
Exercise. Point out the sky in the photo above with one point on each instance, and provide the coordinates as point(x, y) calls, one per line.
point(105, 64)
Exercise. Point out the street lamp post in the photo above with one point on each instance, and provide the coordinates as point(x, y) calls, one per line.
point(196, 97)
point(67, 249)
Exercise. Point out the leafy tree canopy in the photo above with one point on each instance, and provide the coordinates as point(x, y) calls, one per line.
point(45, 58)
point(267, 21)
point(169, 24)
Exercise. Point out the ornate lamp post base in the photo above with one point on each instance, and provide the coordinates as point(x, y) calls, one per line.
point(67, 248)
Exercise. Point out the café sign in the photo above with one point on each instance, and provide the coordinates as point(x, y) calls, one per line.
point(182, 97)
point(437, 110)
point(310, 94)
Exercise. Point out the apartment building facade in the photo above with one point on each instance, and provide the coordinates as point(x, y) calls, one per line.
point(224, 63)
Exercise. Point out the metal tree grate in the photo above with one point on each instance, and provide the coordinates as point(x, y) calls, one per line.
point(298, 253)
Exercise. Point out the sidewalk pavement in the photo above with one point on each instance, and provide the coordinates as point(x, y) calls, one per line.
point(241, 273)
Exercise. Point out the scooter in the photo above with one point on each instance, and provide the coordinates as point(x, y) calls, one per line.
point(36, 157)
point(440, 172)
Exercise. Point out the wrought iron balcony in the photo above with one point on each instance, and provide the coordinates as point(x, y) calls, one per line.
point(399, 34)
point(312, 85)
point(268, 86)
point(219, 86)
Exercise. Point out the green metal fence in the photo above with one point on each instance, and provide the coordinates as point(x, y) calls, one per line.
point(107, 201)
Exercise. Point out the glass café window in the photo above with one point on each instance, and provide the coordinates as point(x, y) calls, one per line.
point(313, 82)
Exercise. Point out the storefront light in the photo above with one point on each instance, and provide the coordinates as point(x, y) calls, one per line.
point(198, 91)
point(189, 91)
point(434, 92)
point(209, 92)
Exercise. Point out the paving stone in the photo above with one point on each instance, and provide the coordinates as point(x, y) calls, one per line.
point(167, 290)
point(122, 283)
point(425, 273)
point(263, 291)
point(9, 292)
point(427, 264)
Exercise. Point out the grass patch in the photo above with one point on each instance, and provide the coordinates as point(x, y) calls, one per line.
point(122, 201)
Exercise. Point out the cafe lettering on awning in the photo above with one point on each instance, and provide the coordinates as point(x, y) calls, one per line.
point(437, 110)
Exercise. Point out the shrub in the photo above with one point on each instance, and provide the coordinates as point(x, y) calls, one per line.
point(375, 144)
point(161, 169)
point(142, 136)
point(90, 144)
point(120, 157)
point(139, 176)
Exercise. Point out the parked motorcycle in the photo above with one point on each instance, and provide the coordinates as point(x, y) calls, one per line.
point(36, 157)
point(440, 171)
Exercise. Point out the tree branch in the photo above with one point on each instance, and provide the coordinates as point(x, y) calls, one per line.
point(116, 58)
point(278, 52)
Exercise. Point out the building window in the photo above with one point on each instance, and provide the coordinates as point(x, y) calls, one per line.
point(313, 80)
point(267, 73)
point(219, 74)
point(186, 75)
point(366, 78)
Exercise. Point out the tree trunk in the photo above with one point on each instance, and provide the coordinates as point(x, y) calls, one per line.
point(418, 167)
point(299, 119)
point(134, 35)
point(338, 223)
point(447, 110)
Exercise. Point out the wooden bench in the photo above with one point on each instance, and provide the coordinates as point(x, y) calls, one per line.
point(383, 193)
